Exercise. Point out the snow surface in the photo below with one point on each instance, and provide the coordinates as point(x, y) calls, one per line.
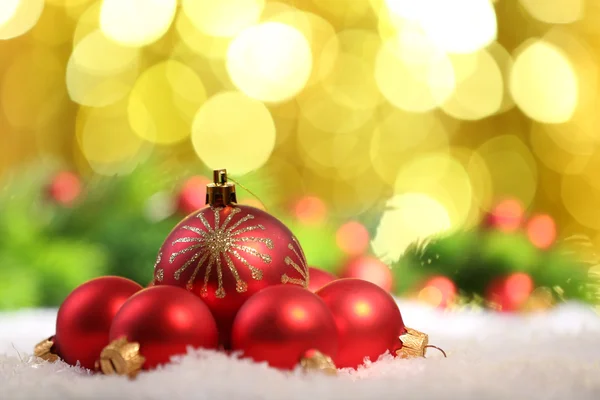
point(552, 355)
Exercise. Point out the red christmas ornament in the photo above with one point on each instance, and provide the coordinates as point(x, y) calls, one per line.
point(226, 252)
point(192, 195)
point(510, 293)
point(84, 320)
point(65, 188)
point(154, 325)
point(280, 323)
point(370, 269)
point(319, 278)
point(367, 318)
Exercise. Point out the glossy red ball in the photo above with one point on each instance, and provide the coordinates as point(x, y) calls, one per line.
point(280, 323)
point(367, 318)
point(225, 255)
point(165, 320)
point(319, 278)
point(370, 269)
point(85, 316)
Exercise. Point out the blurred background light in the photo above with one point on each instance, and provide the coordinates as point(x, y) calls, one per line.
point(223, 17)
point(544, 84)
point(136, 22)
point(233, 130)
point(18, 16)
point(269, 62)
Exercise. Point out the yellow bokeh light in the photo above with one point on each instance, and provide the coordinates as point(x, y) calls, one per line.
point(555, 11)
point(233, 130)
point(512, 168)
point(327, 114)
point(211, 47)
point(136, 22)
point(270, 61)
point(412, 73)
point(409, 217)
point(224, 18)
point(163, 102)
point(100, 71)
point(106, 140)
point(441, 177)
point(18, 16)
point(87, 23)
point(460, 26)
point(564, 149)
point(581, 199)
point(479, 91)
point(402, 134)
point(319, 34)
point(544, 84)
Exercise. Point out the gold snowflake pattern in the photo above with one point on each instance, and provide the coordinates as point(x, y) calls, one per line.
point(302, 268)
point(159, 272)
point(219, 243)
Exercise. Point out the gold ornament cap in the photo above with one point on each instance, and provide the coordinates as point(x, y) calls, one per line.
point(121, 357)
point(45, 350)
point(220, 193)
point(315, 361)
point(414, 344)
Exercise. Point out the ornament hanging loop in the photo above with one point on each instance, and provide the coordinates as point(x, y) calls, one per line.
point(437, 348)
point(220, 193)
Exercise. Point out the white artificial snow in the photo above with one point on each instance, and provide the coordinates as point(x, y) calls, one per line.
point(551, 355)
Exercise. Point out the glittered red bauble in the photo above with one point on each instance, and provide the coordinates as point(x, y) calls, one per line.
point(65, 188)
point(367, 318)
point(370, 269)
point(85, 316)
point(510, 293)
point(165, 320)
point(192, 195)
point(319, 278)
point(280, 323)
point(226, 254)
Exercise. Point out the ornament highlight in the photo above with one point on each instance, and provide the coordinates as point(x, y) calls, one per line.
point(319, 278)
point(281, 323)
point(84, 319)
point(226, 252)
point(154, 325)
point(367, 318)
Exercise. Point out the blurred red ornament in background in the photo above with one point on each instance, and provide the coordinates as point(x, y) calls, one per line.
point(85, 316)
point(192, 195)
point(318, 278)
point(352, 238)
point(310, 210)
point(370, 269)
point(506, 216)
point(65, 188)
point(510, 293)
point(165, 320)
point(280, 323)
point(438, 291)
point(226, 254)
point(367, 317)
point(541, 231)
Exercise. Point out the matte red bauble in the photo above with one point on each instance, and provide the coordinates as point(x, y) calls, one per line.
point(84, 320)
point(319, 278)
point(226, 252)
point(280, 323)
point(161, 321)
point(367, 318)
point(370, 269)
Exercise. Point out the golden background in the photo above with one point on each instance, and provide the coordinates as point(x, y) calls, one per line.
point(435, 109)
